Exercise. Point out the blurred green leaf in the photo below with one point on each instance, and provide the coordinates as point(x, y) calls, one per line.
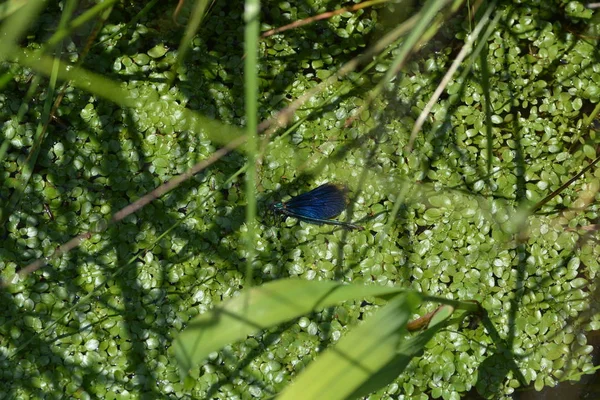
point(364, 360)
point(261, 308)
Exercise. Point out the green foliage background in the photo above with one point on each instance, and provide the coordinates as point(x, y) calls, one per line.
point(450, 218)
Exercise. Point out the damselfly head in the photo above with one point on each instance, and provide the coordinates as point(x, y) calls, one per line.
point(274, 211)
point(276, 206)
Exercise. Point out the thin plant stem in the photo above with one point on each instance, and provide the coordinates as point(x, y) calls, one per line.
point(251, 18)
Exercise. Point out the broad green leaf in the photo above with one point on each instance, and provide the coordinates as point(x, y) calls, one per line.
point(261, 308)
point(405, 352)
point(359, 356)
